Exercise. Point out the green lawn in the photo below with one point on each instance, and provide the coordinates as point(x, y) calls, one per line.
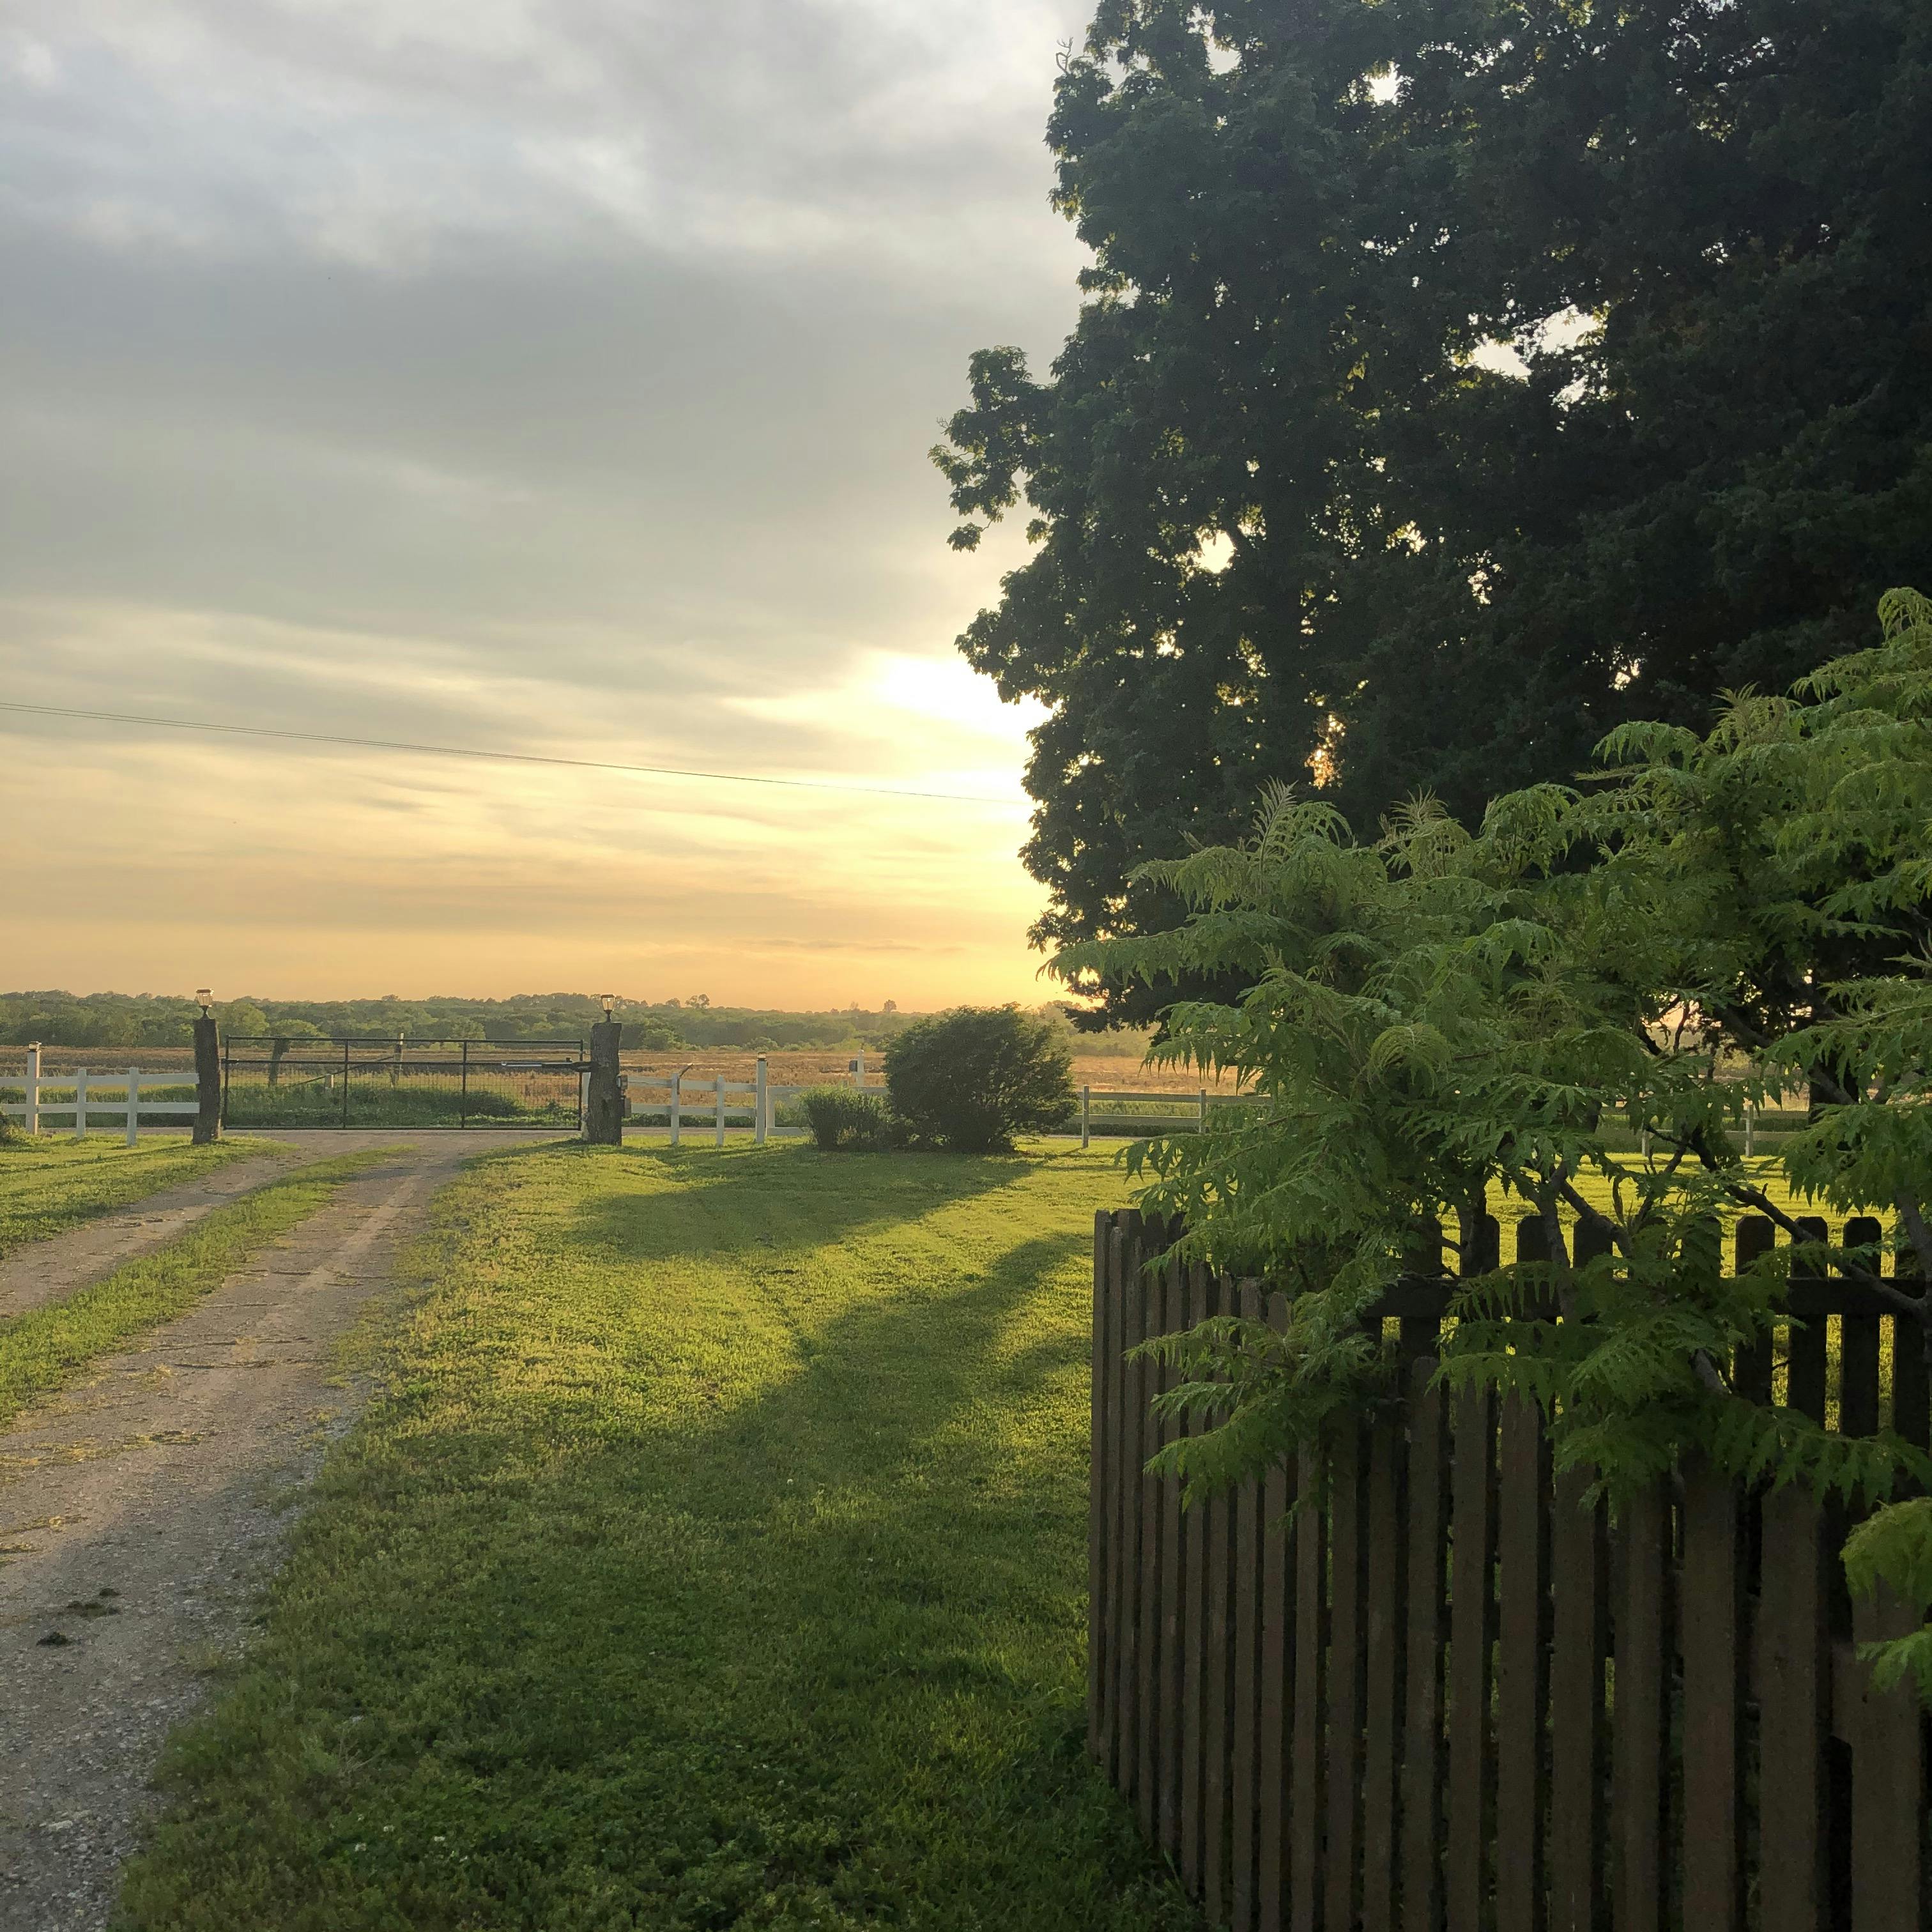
point(48, 1347)
point(46, 1185)
point(1510, 1210)
point(714, 1555)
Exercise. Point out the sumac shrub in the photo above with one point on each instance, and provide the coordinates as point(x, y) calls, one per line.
point(970, 1079)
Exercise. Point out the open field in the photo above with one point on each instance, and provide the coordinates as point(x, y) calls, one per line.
point(806, 1067)
point(712, 1554)
point(47, 1184)
point(1121, 1070)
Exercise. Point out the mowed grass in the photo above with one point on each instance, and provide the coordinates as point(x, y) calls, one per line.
point(45, 1348)
point(48, 1185)
point(712, 1554)
point(1764, 1172)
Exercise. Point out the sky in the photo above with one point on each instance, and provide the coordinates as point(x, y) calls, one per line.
point(553, 376)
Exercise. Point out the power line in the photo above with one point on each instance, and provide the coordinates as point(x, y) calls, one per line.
point(503, 757)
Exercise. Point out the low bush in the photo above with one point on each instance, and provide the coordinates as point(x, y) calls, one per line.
point(845, 1119)
point(970, 1079)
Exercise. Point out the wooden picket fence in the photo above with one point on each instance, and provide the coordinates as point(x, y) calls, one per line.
point(1448, 1697)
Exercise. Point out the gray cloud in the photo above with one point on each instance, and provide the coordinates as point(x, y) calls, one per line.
point(535, 375)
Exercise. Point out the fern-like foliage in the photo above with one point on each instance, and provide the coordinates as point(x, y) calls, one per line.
point(1699, 924)
point(1894, 1547)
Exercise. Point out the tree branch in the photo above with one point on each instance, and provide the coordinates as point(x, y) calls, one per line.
point(1920, 1236)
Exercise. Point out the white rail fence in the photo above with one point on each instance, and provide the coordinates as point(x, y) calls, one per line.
point(681, 1102)
point(83, 1097)
point(711, 1101)
point(86, 1100)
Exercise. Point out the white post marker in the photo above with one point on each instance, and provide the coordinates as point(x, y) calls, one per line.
point(133, 1105)
point(760, 1100)
point(32, 1122)
point(80, 1104)
point(1751, 1131)
point(717, 1089)
point(677, 1106)
point(1086, 1111)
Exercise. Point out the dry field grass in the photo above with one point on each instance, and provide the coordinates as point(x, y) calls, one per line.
point(1115, 1072)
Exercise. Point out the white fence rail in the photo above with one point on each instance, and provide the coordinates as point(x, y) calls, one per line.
point(711, 1101)
point(84, 1097)
point(85, 1100)
point(1184, 1110)
point(716, 1103)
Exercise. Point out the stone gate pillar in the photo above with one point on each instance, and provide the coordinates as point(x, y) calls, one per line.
point(604, 1109)
point(207, 1080)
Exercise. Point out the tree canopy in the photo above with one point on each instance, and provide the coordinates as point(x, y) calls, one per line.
point(1456, 380)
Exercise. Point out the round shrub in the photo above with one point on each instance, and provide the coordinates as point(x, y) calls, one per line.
point(970, 1079)
point(844, 1118)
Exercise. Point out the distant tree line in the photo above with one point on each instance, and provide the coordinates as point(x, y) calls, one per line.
point(115, 1020)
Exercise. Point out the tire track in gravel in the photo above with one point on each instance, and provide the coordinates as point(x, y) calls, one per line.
point(49, 1271)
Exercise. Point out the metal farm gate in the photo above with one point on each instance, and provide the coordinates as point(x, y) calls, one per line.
point(274, 1082)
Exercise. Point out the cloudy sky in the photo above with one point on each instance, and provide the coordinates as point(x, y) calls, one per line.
point(551, 376)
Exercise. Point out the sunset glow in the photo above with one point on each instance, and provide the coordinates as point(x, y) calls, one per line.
point(607, 443)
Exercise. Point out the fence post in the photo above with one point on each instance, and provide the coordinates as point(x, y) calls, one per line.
point(759, 1101)
point(1751, 1131)
point(603, 1098)
point(207, 1080)
point(80, 1103)
point(1203, 1110)
point(32, 1123)
point(718, 1090)
point(1086, 1111)
point(676, 1105)
point(133, 1105)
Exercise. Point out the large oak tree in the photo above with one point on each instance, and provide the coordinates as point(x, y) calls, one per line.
point(1456, 380)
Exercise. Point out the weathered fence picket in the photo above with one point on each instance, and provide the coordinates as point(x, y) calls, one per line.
point(1448, 1694)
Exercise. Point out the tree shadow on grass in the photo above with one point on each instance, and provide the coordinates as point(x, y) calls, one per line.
point(749, 1200)
point(861, 1595)
point(913, 1422)
point(801, 1651)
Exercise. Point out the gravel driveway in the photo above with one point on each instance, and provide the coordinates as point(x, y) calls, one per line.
point(139, 1513)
